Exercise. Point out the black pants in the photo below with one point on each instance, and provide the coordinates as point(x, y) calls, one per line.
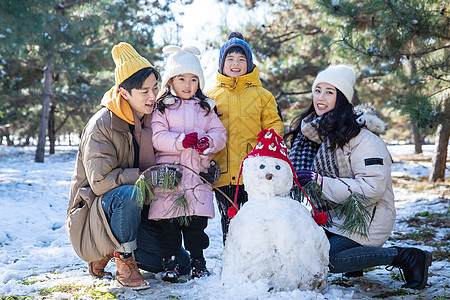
point(223, 204)
point(195, 238)
point(347, 255)
point(149, 254)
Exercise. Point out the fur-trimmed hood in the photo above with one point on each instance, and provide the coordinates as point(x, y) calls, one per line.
point(366, 116)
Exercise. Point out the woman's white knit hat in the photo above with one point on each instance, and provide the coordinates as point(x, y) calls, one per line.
point(181, 61)
point(340, 76)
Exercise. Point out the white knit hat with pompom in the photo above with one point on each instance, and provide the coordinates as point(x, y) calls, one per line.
point(181, 61)
point(340, 76)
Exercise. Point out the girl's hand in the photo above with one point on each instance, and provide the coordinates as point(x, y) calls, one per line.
point(202, 144)
point(190, 140)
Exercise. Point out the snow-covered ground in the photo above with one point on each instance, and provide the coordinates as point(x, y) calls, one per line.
point(37, 260)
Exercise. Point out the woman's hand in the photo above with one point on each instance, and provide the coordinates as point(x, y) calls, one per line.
point(304, 176)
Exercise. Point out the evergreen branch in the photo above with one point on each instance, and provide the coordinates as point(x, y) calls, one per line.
point(284, 93)
point(62, 6)
point(181, 207)
point(322, 203)
point(146, 188)
point(142, 186)
point(356, 216)
point(418, 54)
point(206, 182)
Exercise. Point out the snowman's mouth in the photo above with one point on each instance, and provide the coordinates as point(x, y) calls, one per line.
point(269, 176)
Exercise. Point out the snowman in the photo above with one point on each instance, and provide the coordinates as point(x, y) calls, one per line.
point(273, 238)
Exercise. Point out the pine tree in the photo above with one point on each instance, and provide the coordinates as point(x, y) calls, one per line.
point(291, 49)
point(409, 41)
point(56, 57)
point(399, 49)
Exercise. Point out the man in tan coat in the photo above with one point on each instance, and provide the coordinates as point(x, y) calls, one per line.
point(103, 214)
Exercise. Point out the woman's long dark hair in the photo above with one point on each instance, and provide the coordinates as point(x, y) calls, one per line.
point(199, 94)
point(339, 125)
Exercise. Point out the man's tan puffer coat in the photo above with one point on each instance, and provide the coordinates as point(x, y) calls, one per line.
point(105, 161)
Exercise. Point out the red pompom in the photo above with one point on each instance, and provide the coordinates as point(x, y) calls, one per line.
point(232, 211)
point(320, 218)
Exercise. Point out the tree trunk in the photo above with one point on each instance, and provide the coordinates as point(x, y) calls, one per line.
point(355, 101)
point(417, 138)
point(40, 150)
point(439, 161)
point(51, 129)
point(5, 133)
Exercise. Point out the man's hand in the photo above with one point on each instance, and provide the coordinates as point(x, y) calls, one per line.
point(163, 177)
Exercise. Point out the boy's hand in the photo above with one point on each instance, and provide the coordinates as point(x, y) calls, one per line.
point(190, 140)
point(212, 173)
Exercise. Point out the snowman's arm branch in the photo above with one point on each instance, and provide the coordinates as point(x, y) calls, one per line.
point(210, 184)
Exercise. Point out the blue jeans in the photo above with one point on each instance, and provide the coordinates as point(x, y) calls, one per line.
point(349, 256)
point(149, 254)
point(124, 215)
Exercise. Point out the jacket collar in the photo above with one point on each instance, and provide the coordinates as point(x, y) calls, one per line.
point(118, 124)
point(241, 82)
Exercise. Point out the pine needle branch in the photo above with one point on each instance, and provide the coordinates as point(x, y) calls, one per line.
point(145, 188)
point(356, 216)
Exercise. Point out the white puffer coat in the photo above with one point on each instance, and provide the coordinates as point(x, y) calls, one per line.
point(369, 162)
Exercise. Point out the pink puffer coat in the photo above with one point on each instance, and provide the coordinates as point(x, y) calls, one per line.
point(183, 117)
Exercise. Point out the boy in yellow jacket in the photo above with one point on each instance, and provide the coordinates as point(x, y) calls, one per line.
point(246, 109)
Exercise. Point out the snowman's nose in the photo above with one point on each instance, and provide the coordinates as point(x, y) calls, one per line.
point(269, 176)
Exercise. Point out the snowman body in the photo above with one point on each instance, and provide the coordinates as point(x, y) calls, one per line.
point(273, 238)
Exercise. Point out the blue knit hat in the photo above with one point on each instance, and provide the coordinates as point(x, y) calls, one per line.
point(236, 39)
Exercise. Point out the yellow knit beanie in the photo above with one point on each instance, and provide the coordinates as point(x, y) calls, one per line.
point(128, 61)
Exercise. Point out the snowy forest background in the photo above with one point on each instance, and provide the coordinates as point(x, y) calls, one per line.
point(55, 65)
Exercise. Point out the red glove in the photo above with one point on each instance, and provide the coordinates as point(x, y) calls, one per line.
point(190, 140)
point(202, 144)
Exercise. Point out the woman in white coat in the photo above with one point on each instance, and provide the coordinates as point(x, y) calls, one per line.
point(340, 151)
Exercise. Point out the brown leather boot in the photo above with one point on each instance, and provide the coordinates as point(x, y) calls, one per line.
point(97, 268)
point(128, 273)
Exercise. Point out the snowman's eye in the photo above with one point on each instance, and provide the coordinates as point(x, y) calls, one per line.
point(262, 166)
point(277, 167)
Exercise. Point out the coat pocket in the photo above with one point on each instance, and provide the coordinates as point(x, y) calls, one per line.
point(76, 221)
point(78, 225)
point(85, 194)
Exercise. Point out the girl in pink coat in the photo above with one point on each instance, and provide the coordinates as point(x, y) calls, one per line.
point(186, 130)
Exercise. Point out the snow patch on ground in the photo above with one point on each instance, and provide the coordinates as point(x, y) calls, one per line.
point(36, 254)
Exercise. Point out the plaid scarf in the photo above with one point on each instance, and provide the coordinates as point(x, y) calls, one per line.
point(310, 152)
point(303, 152)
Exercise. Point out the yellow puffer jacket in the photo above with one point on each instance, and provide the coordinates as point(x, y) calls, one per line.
point(246, 109)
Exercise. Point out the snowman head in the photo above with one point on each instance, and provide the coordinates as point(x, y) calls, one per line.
point(271, 150)
point(266, 176)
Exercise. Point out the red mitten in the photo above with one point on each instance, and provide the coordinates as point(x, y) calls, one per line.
point(190, 140)
point(202, 144)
